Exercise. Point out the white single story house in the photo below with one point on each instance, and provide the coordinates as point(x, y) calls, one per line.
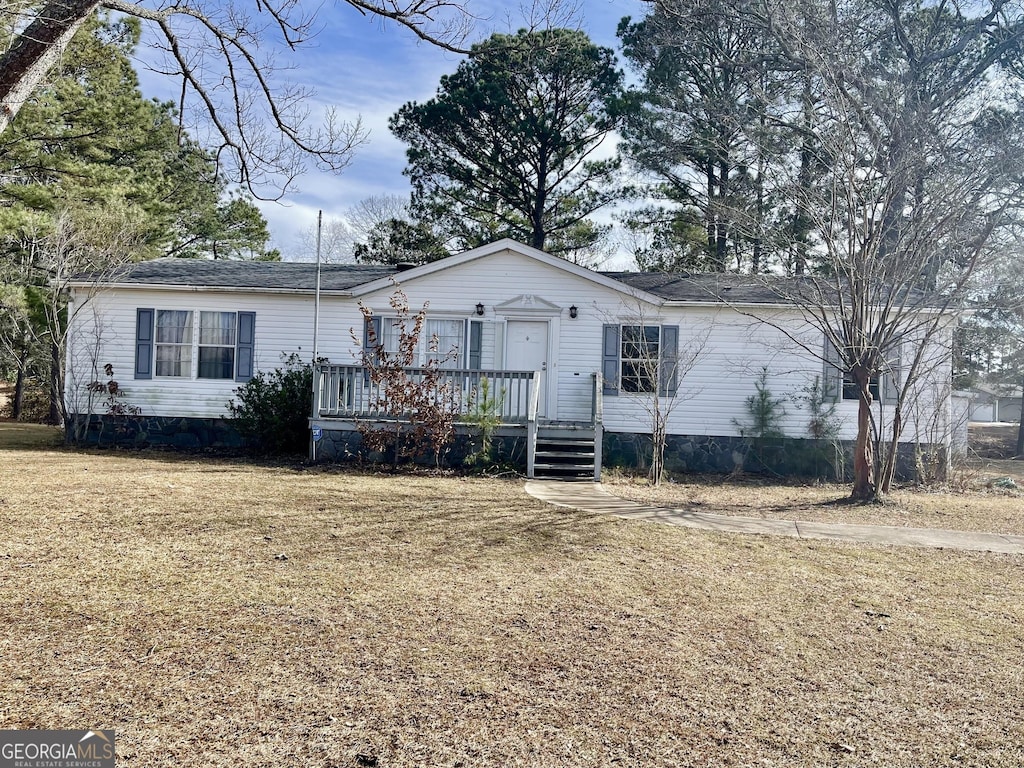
point(993, 403)
point(567, 349)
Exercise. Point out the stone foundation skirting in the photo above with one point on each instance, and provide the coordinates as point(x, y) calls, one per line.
point(176, 432)
point(780, 457)
point(341, 442)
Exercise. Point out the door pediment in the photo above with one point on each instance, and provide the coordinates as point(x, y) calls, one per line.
point(527, 303)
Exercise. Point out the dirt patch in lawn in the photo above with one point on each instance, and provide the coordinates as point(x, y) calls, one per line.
point(218, 613)
point(993, 441)
point(990, 507)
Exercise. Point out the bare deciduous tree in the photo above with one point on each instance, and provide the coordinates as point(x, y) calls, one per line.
point(340, 236)
point(220, 52)
point(919, 142)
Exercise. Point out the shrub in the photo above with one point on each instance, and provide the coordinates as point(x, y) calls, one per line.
point(485, 415)
point(272, 410)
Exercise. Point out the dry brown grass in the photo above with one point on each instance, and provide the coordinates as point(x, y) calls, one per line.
point(447, 622)
point(982, 506)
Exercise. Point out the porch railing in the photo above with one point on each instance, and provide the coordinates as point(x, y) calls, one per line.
point(346, 391)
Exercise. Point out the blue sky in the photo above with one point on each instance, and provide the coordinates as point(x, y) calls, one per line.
point(368, 69)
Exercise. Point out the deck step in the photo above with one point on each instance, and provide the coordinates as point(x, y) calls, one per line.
point(557, 469)
point(565, 450)
point(566, 455)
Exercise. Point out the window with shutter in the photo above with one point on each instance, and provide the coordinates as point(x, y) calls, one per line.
point(169, 343)
point(638, 358)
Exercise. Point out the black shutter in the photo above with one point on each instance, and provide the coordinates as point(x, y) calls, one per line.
point(610, 360)
point(668, 380)
point(476, 334)
point(372, 343)
point(890, 376)
point(245, 348)
point(832, 379)
point(144, 343)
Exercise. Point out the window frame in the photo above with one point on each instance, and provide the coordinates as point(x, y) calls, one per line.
point(612, 359)
point(850, 390)
point(388, 335)
point(884, 386)
point(643, 362)
point(147, 344)
point(189, 345)
point(200, 345)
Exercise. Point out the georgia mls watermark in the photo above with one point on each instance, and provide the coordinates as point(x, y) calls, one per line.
point(56, 749)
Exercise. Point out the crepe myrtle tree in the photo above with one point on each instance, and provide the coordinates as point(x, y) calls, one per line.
point(419, 402)
point(223, 55)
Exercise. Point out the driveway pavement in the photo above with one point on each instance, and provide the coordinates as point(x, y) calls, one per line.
point(592, 497)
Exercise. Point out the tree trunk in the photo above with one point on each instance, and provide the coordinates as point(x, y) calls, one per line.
point(801, 225)
point(56, 415)
point(893, 456)
point(709, 215)
point(722, 241)
point(864, 488)
point(18, 400)
point(34, 52)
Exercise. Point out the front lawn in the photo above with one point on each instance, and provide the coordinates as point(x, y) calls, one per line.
point(987, 502)
point(223, 613)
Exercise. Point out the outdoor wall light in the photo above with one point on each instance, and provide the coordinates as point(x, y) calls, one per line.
point(573, 311)
point(480, 309)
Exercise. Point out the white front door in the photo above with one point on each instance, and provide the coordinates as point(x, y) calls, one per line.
point(526, 349)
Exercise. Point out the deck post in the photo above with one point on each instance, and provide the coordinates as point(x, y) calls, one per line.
point(531, 423)
point(597, 418)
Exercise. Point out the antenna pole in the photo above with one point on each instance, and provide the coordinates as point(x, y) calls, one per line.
point(316, 328)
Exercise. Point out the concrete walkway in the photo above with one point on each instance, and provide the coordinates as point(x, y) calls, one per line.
point(592, 497)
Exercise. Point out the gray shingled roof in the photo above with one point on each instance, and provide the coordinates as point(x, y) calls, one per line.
point(683, 287)
point(740, 289)
point(340, 277)
point(252, 274)
point(747, 289)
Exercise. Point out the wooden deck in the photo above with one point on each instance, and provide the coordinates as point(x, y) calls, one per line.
point(346, 394)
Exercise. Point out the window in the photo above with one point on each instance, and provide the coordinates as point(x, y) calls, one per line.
point(170, 344)
point(173, 343)
point(839, 384)
point(216, 345)
point(449, 334)
point(450, 341)
point(638, 359)
point(852, 392)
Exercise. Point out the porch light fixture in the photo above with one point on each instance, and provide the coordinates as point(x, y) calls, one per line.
point(480, 308)
point(573, 311)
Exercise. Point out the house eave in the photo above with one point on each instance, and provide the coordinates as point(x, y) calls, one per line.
point(208, 289)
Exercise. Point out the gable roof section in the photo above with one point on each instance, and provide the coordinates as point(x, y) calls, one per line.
point(507, 244)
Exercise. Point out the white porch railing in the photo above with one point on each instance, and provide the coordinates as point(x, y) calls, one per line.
point(346, 392)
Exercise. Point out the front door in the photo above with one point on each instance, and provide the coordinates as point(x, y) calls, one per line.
point(526, 349)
